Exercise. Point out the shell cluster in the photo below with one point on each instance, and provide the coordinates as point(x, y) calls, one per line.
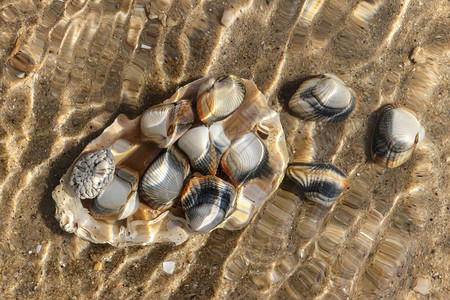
point(209, 157)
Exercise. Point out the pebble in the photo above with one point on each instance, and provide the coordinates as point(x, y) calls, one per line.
point(168, 267)
point(228, 17)
point(423, 286)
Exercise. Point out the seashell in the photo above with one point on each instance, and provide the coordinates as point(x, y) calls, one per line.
point(217, 99)
point(119, 199)
point(207, 202)
point(396, 135)
point(92, 173)
point(197, 146)
point(163, 124)
point(219, 140)
point(322, 183)
point(324, 98)
point(164, 179)
point(246, 156)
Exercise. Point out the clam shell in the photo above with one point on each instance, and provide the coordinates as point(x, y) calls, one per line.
point(246, 156)
point(396, 135)
point(207, 202)
point(324, 98)
point(197, 146)
point(163, 124)
point(119, 199)
point(217, 99)
point(164, 179)
point(92, 173)
point(322, 183)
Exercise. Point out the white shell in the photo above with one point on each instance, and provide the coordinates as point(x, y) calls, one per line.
point(324, 98)
point(220, 98)
point(197, 146)
point(246, 156)
point(218, 137)
point(397, 134)
point(119, 199)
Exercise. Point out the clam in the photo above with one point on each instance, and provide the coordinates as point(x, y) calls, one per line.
point(219, 140)
point(163, 124)
point(396, 135)
point(324, 98)
point(207, 202)
point(245, 158)
point(119, 199)
point(163, 181)
point(217, 99)
point(322, 183)
point(197, 146)
point(92, 173)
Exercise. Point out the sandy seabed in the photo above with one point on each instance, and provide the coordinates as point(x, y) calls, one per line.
point(68, 68)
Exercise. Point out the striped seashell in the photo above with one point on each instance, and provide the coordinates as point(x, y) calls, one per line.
point(207, 202)
point(396, 135)
point(324, 98)
point(217, 99)
point(163, 124)
point(164, 179)
point(322, 183)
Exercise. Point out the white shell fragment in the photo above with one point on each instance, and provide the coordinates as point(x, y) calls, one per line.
point(207, 201)
point(324, 98)
point(322, 183)
point(168, 267)
point(396, 136)
point(156, 162)
point(92, 173)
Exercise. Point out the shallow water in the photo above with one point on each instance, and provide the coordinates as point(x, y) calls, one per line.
point(68, 68)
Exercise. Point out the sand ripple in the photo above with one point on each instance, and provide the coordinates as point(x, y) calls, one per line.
point(67, 68)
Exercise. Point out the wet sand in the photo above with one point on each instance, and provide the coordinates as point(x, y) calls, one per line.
point(69, 68)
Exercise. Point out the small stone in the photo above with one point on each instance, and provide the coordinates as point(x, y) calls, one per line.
point(228, 17)
point(423, 286)
point(38, 249)
point(98, 266)
point(168, 267)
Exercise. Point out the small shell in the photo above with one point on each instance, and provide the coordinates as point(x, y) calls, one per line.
point(324, 98)
point(219, 140)
point(207, 202)
point(163, 124)
point(322, 183)
point(92, 173)
point(119, 199)
point(246, 156)
point(217, 99)
point(163, 181)
point(396, 135)
point(197, 146)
